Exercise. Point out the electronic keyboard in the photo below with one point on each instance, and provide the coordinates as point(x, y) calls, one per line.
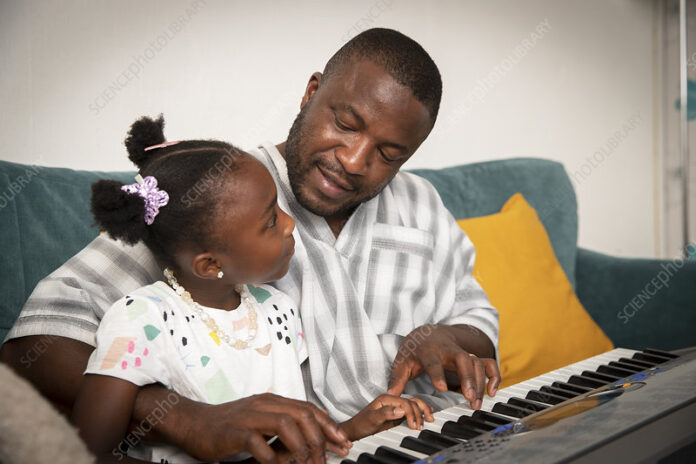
point(624, 405)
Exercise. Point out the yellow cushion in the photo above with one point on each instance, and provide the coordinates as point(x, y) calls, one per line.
point(543, 325)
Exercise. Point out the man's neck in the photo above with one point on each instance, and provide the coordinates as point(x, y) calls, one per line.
point(336, 223)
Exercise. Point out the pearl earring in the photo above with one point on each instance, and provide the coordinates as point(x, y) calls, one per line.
point(220, 274)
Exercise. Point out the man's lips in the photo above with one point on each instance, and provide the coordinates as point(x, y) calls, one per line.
point(335, 180)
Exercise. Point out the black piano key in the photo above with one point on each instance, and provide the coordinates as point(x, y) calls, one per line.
point(474, 428)
point(511, 410)
point(453, 429)
point(348, 461)
point(438, 438)
point(532, 405)
point(629, 367)
point(543, 397)
point(601, 376)
point(579, 389)
point(664, 354)
point(585, 381)
point(558, 392)
point(394, 456)
point(614, 370)
point(421, 446)
point(635, 362)
point(367, 458)
point(477, 423)
point(491, 417)
point(650, 358)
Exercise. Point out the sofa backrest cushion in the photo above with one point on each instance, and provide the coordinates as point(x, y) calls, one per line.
point(480, 189)
point(45, 220)
point(45, 215)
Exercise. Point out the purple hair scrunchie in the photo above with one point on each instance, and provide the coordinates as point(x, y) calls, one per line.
point(154, 198)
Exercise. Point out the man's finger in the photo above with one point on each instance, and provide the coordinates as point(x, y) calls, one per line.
point(465, 371)
point(289, 433)
point(493, 374)
point(480, 382)
point(400, 375)
point(328, 427)
point(255, 444)
point(432, 364)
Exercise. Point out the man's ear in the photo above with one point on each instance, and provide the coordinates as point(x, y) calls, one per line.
point(205, 266)
point(312, 87)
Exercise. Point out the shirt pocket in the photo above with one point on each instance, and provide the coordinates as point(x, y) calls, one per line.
point(400, 292)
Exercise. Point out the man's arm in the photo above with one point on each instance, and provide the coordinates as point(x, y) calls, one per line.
point(462, 334)
point(54, 365)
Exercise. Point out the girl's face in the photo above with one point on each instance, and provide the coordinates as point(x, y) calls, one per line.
point(256, 234)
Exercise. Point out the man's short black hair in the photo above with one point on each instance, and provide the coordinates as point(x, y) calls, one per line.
point(402, 57)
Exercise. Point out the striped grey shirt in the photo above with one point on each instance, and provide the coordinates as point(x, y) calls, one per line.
point(400, 262)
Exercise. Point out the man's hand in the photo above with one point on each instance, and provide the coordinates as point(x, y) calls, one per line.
point(434, 349)
point(385, 412)
point(219, 431)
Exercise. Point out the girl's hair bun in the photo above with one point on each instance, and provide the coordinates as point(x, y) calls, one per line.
point(118, 213)
point(144, 133)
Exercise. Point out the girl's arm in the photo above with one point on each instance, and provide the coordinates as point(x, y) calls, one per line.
point(102, 413)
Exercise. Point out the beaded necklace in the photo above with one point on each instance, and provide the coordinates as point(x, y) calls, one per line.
point(247, 300)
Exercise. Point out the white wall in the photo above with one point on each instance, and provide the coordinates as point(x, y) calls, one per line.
point(553, 79)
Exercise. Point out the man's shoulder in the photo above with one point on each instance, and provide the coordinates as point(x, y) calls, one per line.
point(415, 188)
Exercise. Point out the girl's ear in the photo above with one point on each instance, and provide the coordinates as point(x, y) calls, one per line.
point(205, 266)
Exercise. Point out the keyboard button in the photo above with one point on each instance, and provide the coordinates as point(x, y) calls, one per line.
point(585, 381)
point(650, 358)
point(367, 458)
point(394, 456)
point(600, 376)
point(543, 397)
point(511, 410)
point(421, 446)
point(664, 354)
point(636, 362)
point(559, 392)
point(477, 423)
point(531, 405)
point(437, 438)
point(490, 417)
point(453, 429)
point(579, 389)
point(614, 370)
point(625, 366)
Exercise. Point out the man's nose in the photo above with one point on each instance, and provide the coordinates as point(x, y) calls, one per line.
point(355, 158)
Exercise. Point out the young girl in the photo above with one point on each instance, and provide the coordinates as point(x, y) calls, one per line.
point(211, 331)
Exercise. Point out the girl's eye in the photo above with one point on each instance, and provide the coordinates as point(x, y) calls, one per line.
point(272, 222)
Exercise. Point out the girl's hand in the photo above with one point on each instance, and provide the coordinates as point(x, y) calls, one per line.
point(385, 412)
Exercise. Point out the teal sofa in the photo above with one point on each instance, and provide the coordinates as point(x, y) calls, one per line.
point(45, 219)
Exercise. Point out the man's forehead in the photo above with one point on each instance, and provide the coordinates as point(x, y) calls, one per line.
point(366, 91)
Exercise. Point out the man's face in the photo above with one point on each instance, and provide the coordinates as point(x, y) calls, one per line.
point(354, 131)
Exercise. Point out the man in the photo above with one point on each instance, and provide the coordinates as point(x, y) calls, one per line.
point(382, 273)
